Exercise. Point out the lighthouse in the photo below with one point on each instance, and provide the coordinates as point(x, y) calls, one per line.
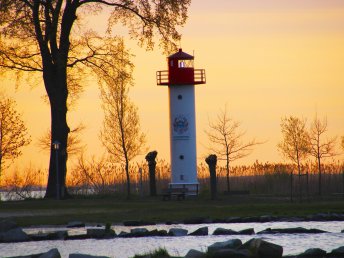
point(181, 78)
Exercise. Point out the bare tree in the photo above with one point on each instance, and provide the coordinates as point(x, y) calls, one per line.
point(13, 132)
point(41, 36)
point(342, 143)
point(321, 148)
point(226, 140)
point(121, 134)
point(295, 144)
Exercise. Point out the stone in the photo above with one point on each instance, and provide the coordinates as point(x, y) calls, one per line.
point(298, 230)
point(96, 232)
point(313, 253)
point(86, 256)
point(14, 235)
point(53, 253)
point(224, 231)
point(6, 225)
point(177, 232)
point(75, 224)
point(338, 251)
point(200, 232)
point(230, 244)
point(342, 231)
point(195, 254)
point(262, 248)
point(231, 253)
point(247, 231)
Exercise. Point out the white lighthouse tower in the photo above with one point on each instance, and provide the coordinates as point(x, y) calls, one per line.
point(181, 79)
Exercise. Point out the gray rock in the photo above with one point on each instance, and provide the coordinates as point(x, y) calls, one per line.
point(138, 230)
point(230, 244)
point(298, 230)
point(85, 256)
point(200, 232)
point(247, 231)
point(6, 225)
point(195, 254)
point(231, 253)
point(96, 232)
point(14, 235)
point(313, 253)
point(75, 224)
point(53, 253)
point(263, 249)
point(224, 231)
point(338, 251)
point(177, 232)
point(342, 231)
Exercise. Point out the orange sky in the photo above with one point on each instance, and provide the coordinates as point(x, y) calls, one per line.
point(264, 59)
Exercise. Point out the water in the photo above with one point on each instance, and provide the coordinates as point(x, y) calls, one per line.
point(128, 247)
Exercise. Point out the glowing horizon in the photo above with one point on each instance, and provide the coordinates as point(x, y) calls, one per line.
point(264, 59)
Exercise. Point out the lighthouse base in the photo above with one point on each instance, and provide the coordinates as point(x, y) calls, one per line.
point(190, 188)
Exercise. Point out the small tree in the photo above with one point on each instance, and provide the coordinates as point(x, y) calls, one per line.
point(121, 133)
point(226, 140)
point(295, 144)
point(320, 148)
point(13, 132)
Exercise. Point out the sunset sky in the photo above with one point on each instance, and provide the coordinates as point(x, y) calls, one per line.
point(265, 59)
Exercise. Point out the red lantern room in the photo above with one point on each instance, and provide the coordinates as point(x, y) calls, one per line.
point(181, 71)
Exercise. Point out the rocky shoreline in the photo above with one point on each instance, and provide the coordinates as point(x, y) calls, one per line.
point(254, 248)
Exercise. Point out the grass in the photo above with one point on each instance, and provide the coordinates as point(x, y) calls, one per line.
point(116, 209)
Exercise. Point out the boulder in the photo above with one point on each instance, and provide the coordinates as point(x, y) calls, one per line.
point(195, 254)
point(298, 230)
point(263, 249)
point(313, 253)
point(156, 232)
point(14, 235)
point(100, 233)
point(230, 244)
point(338, 251)
point(53, 253)
point(75, 224)
point(247, 231)
point(177, 232)
point(200, 232)
point(224, 231)
point(231, 253)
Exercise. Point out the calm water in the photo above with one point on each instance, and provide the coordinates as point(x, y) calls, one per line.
point(128, 247)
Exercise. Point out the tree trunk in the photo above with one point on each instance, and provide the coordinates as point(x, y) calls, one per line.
point(227, 175)
point(128, 178)
point(319, 170)
point(150, 158)
point(211, 160)
point(56, 86)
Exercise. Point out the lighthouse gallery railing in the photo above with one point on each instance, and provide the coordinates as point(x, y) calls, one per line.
point(162, 77)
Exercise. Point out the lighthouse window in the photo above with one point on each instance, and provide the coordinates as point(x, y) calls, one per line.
point(181, 157)
point(180, 96)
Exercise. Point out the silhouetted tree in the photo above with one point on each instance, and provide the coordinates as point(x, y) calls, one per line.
point(226, 140)
point(321, 148)
point(211, 160)
point(74, 145)
point(295, 144)
point(150, 158)
point(13, 132)
point(40, 36)
point(121, 134)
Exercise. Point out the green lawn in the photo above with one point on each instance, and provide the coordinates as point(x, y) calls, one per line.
point(116, 210)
